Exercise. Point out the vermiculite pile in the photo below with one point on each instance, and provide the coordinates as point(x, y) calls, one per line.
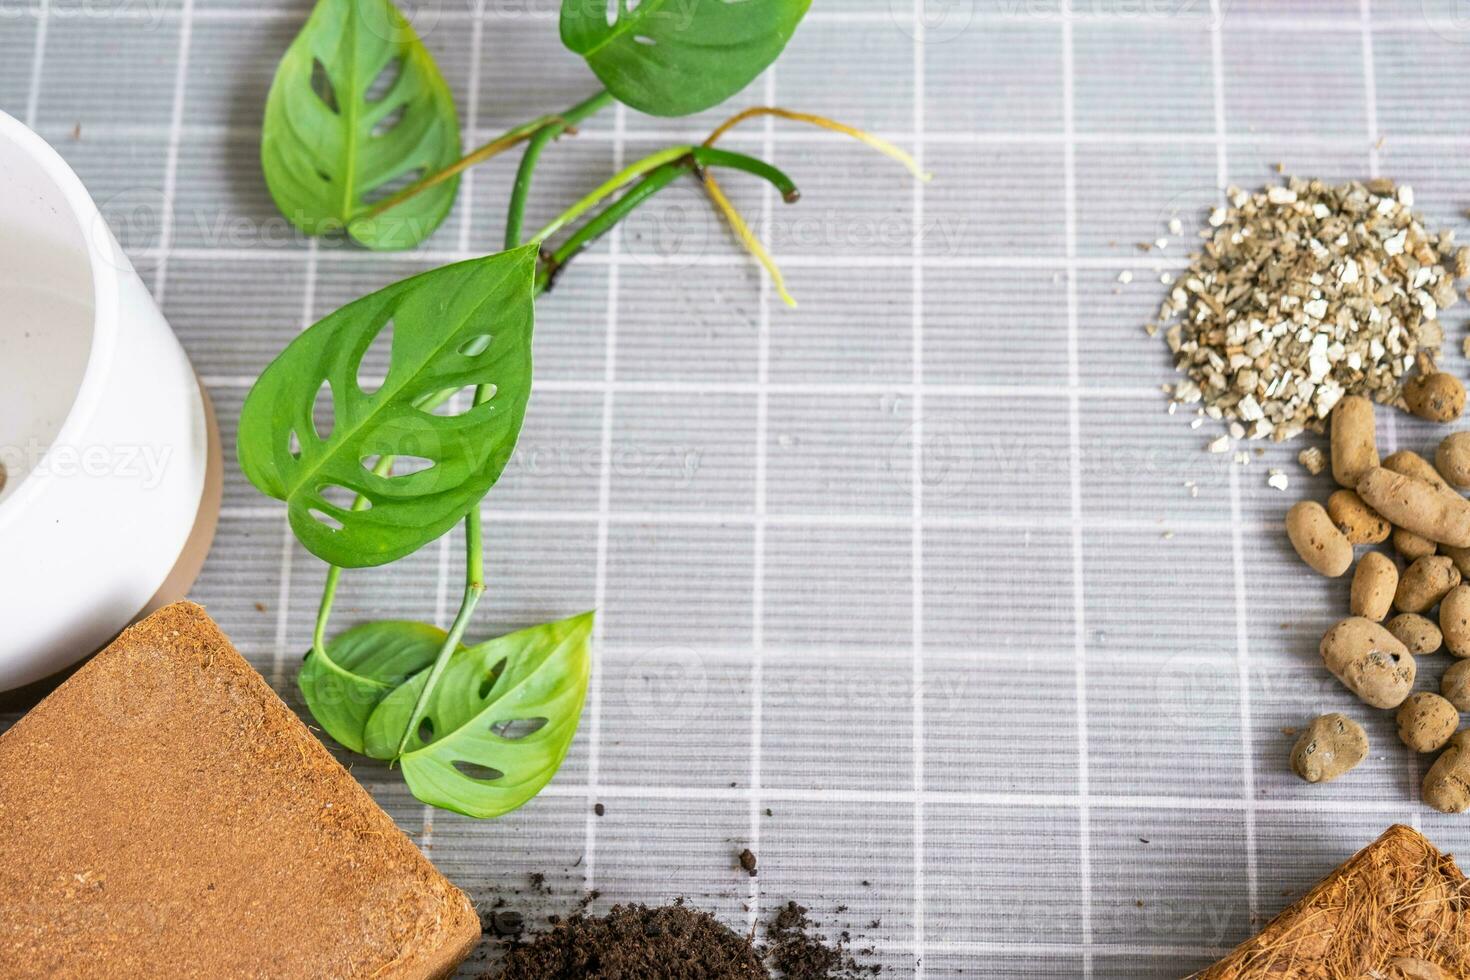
point(1305, 293)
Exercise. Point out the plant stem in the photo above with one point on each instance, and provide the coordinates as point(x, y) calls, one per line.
point(609, 187)
point(702, 155)
point(324, 610)
point(497, 146)
point(659, 177)
point(608, 219)
point(472, 593)
point(881, 145)
point(707, 156)
point(520, 193)
point(474, 588)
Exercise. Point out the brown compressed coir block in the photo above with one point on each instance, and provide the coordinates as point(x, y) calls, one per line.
point(1397, 909)
point(163, 813)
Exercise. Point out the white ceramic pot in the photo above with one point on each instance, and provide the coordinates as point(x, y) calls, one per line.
point(105, 435)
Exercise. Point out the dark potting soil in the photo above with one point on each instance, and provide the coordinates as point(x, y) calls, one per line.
point(677, 942)
point(797, 951)
point(634, 942)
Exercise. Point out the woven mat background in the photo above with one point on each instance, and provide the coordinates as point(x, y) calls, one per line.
point(902, 589)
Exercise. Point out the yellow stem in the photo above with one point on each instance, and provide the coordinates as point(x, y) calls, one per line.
point(747, 237)
point(493, 148)
point(742, 230)
point(881, 145)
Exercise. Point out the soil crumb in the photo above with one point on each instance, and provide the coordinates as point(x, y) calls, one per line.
point(798, 952)
point(677, 942)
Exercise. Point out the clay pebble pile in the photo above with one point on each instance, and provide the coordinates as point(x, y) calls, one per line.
point(1418, 507)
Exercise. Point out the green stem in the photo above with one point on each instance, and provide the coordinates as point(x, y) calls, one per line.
point(472, 593)
point(703, 156)
point(474, 588)
point(520, 193)
point(656, 180)
point(611, 186)
point(708, 156)
point(324, 610)
point(608, 219)
point(474, 547)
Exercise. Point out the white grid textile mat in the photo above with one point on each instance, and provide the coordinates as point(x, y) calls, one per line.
point(903, 590)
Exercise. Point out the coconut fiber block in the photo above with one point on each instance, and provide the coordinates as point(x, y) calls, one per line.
point(163, 814)
point(1397, 909)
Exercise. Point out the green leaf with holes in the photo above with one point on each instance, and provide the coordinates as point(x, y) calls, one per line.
point(342, 129)
point(676, 57)
point(359, 668)
point(316, 421)
point(499, 723)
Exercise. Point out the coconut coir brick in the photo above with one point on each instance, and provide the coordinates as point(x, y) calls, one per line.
point(165, 815)
point(1396, 909)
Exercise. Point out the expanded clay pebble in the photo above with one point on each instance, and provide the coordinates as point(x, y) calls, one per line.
point(1416, 632)
point(1410, 546)
point(1317, 540)
point(1460, 556)
point(1452, 459)
point(1375, 581)
point(1454, 685)
point(1369, 661)
point(1426, 721)
point(1424, 584)
point(1438, 397)
point(1410, 463)
point(1418, 506)
point(1328, 747)
point(1354, 440)
point(1447, 784)
point(1358, 522)
point(1454, 620)
point(1301, 294)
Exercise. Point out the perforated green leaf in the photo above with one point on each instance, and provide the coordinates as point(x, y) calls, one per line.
point(676, 57)
point(501, 719)
point(341, 128)
point(460, 325)
point(359, 668)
